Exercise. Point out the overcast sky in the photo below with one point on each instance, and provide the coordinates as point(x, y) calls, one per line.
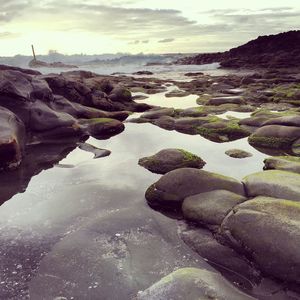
point(149, 26)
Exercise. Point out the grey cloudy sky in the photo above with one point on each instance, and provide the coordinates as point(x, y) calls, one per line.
point(134, 26)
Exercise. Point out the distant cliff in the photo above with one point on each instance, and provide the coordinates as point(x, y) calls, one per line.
point(272, 51)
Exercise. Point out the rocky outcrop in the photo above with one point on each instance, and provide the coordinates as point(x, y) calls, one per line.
point(170, 159)
point(273, 51)
point(41, 64)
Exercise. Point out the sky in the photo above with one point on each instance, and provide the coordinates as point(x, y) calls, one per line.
point(134, 26)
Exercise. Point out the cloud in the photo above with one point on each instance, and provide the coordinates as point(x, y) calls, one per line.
point(166, 41)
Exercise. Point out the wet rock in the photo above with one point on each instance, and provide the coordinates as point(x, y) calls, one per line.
point(158, 112)
point(227, 261)
point(120, 94)
point(272, 240)
point(102, 127)
point(190, 125)
point(285, 163)
point(177, 93)
point(210, 208)
point(98, 153)
point(296, 147)
point(284, 121)
point(237, 153)
point(170, 159)
point(192, 283)
point(165, 122)
point(172, 188)
point(226, 99)
point(275, 136)
point(273, 183)
point(192, 74)
point(143, 73)
point(12, 139)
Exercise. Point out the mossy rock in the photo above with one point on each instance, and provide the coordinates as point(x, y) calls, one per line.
point(267, 230)
point(172, 188)
point(273, 183)
point(170, 159)
point(285, 163)
point(238, 153)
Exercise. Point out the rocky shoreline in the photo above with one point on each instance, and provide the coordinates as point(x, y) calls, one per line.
point(249, 227)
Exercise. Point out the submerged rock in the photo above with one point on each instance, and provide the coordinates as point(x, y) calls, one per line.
point(98, 153)
point(172, 188)
point(193, 284)
point(268, 230)
point(210, 208)
point(273, 183)
point(237, 153)
point(170, 159)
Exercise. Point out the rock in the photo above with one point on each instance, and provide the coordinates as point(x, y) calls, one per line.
point(12, 139)
point(285, 163)
point(210, 208)
point(41, 64)
point(296, 147)
point(102, 128)
point(26, 71)
point(275, 136)
point(273, 183)
point(192, 284)
point(170, 159)
point(284, 121)
point(177, 93)
point(165, 122)
point(268, 230)
point(158, 112)
point(192, 74)
point(98, 153)
point(172, 188)
point(227, 261)
point(143, 73)
point(226, 99)
point(237, 153)
point(120, 94)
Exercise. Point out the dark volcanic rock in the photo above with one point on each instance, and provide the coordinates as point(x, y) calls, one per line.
point(273, 51)
point(170, 159)
point(12, 139)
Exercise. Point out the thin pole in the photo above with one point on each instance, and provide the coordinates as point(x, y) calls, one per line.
point(33, 52)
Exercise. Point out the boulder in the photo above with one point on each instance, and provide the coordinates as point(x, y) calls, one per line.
point(268, 230)
point(210, 208)
point(170, 159)
point(193, 284)
point(237, 153)
point(172, 188)
point(275, 136)
point(284, 121)
point(12, 139)
point(158, 112)
point(120, 94)
point(285, 163)
point(273, 183)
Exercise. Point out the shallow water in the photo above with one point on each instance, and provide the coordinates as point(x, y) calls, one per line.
point(83, 228)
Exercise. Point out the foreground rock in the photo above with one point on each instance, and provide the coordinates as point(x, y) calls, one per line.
point(273, 238)
point(273, 183)
point(172, 188)
point(285, 163)
point(170, 159)
point(210, 208)
point(193, 284)
point(12, 139)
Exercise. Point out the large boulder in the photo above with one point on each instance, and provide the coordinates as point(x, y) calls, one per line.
point(285, 121)
point(120, 94)
point(172, 188)
point(273, 183)
point(210, 208)
point(193, 284)
point(285, 163)
point(170, 159)
point(268, 230)
point(275, 136)
point(12, 139)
